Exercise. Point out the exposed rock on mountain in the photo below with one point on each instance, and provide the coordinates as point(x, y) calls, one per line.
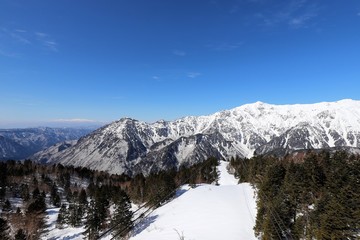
point(131, 146)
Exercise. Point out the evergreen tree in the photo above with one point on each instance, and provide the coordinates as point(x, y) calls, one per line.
point(62, 216)
point(83, 198)
point(38, 205)
point(7, 206)
point(36, 193)
point(3, 179)
point(54, 196)
point(122, 219)
point(20, 235)
point(93, 222)
point(4, 229)
point(97, 213)
point(75, 214)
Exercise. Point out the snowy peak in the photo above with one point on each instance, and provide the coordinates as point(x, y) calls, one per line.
point(131, 146)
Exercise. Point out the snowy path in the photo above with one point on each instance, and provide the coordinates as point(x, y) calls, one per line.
point(207, 212)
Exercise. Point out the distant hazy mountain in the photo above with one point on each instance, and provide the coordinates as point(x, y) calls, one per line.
point(22, 143)
point(131, 146)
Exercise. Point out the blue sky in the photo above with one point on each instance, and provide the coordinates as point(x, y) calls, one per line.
point(81, 62)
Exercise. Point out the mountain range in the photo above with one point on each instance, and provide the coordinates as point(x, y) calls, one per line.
point(19, 143)
point(130, 146)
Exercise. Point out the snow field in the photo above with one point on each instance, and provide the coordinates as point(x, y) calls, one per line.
point(207, 212)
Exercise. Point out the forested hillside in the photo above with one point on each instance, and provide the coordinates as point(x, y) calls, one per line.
point(97, 201)
point(315, 197)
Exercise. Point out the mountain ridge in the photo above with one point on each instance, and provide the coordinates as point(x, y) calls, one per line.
point(131, 146)
point(20, 143)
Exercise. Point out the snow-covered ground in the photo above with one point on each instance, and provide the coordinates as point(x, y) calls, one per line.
point(53, 233)
point(207, 212)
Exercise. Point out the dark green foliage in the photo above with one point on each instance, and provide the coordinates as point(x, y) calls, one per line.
point(7, 206)
point(122, 217)
point(159, 187)
point(25, 192)
point(20, 235)
point(62, 216)
point(55, 197)
point(93, 221)
point(36, 193)
point(317, 197)
point(38, 205)
point(97, 213)
point(3, 179)
point(83, 198)
point(75, 214)
point(59, 182)
point(4, 229)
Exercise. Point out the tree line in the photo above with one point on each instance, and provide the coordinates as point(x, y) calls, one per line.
point(315, 197)
point(94, 199)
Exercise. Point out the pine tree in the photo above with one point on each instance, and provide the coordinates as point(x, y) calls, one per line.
point(62, 216)
point(4, 229)
point(83, 198)
point(54, 196)
point(20, 235)
point(93, 222)
point(38, 205)
point(3, 179)
point(122, 219)
point(7, 206)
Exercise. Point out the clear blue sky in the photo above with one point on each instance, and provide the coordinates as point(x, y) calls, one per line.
point(63, 61)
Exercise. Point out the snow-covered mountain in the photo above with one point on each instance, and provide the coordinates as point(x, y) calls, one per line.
point(22, 143)
point(131, 146)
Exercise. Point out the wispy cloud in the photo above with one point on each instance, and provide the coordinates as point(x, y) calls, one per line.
point(47, 41)
point(156, 78)
point(74, 120)
point(20, 31)
point(17, 35)
point(225, 46)
point(193, 74)
point(294, 13)
point(8, 54)
point(179, 53)
point(18, 39)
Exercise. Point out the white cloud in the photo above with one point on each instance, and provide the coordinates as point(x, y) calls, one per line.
point(74, 120)
point(18, 37)
point(41, 34)
point(46, 41)
point(295, 13)
point(225, 46)
point(20, 31)
point(179, 53)
point(193, 74)
point(155, 77)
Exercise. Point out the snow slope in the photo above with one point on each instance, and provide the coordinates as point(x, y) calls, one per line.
point(206, 212)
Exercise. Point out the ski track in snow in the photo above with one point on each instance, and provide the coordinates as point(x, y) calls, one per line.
point(207, 212)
